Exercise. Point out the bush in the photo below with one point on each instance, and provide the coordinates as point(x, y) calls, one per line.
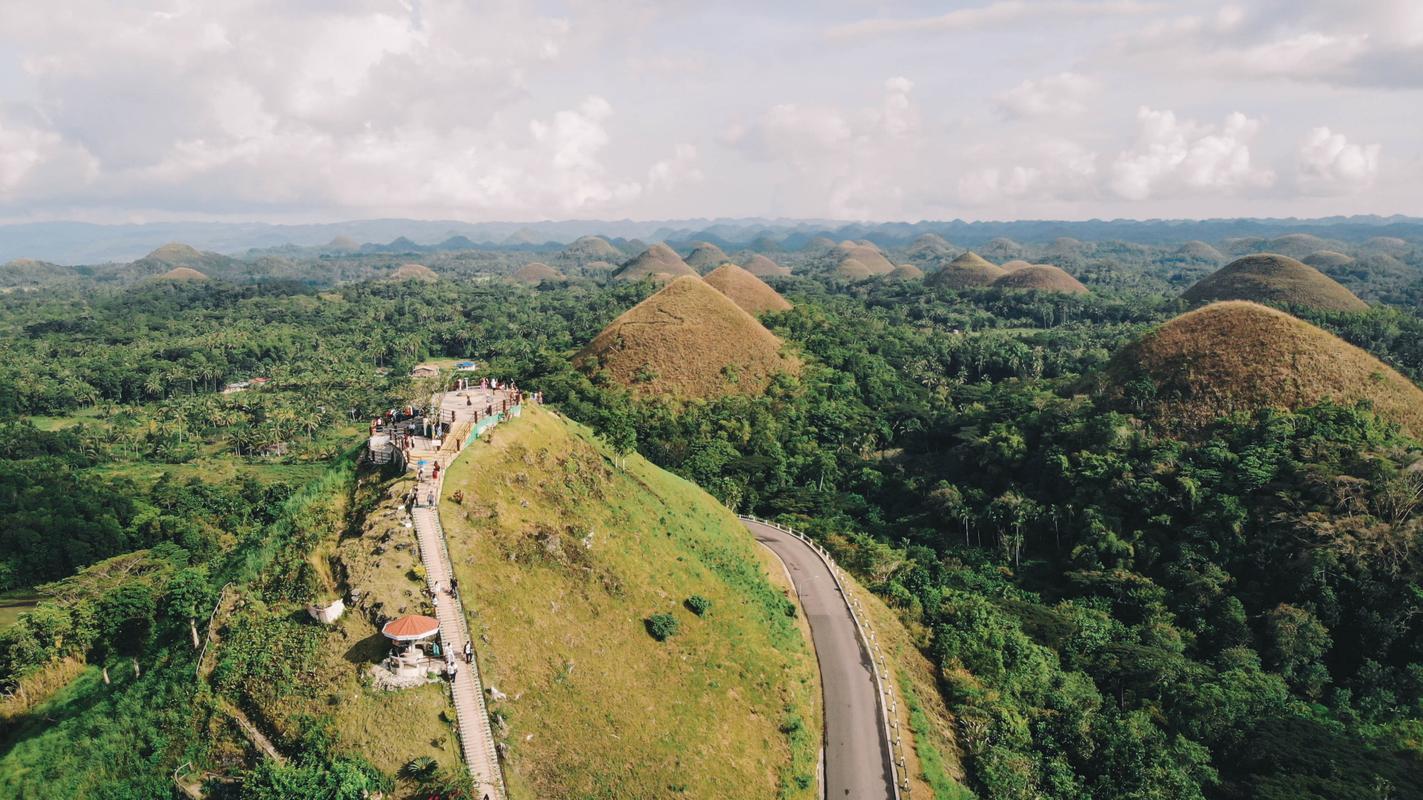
point(661, 626)
point(698, 605)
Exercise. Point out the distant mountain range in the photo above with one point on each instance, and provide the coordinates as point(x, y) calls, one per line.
point(86, 243)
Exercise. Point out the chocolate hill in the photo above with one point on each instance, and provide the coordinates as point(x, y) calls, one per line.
point(414, 272)
point(969, 269)
point(1041, 278)
point(905, 272)
point(658, 262)
point(1275, 279)
point(706, 256)
point(537, 272)
point(864, 252)
point(763, 267)
point(591, 248)
point(746, 290)
point(182, 275)
point(1237, 356)
point(687, 341)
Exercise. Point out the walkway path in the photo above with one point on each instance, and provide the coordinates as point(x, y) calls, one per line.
point(858, 763)
point(476, 736)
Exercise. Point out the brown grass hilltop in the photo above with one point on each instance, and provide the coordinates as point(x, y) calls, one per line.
point(1236, 356)
point(928, 247)
point(175, 253)
point(1041, 278)
point(591, 248)
point(763, 267)
point(658, 262)
point(688, 341)
point(905, 272)
point(1196, 250)
point(414, 272)
point(1389, 243)
point(852, 269)
point(866, 253)
point(536, 272)
point(1015, 265)
point(746, 290)
point(706, 256)
point(1324, 259)
point(1277, 279)
point(969, 269)
point(182, 274)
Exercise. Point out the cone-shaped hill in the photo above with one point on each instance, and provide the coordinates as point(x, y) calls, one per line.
point(1276, 279)
point(746, 290)
point(591, 248)
point(969, 269)
point(1238, 357)
point(414, 272)
point(928, 247)
point(1195, 250)
point(1015, 265)
point(1325, 259)
point(905, 272)
point(536, 272)
point(706, 256)
point(658, 262)
point(852, 269)
point(865, 253)
point(763, 267)
point(182, 275)
point(176, 254)
point(1041, 278)
point(688, 341)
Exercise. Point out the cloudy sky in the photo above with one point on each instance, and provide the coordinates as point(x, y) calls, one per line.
point(315, 110)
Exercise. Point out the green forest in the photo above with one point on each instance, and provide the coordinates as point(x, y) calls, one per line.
point(1117, 610)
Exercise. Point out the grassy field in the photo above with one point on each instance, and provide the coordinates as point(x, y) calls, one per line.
point(565, 556)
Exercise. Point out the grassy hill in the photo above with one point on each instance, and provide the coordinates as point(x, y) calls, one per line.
point(537, 272)
point(746, 290)
point(763, 267)
point(1274, 279)
point(1041, 278)
point(591, 248)
point(414, 272)
point(659, 262)
point(1238, 357)
point(689, 341)
point(853, 269)
point(905, 272)
point(969, 269)
point(866, 253)
point(565, 556)
point(182, 275)
point(706, 256)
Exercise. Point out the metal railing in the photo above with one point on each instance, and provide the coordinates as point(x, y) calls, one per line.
point(888, 704)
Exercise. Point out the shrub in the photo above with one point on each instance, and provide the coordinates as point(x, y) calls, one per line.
point(661, 626)
point(698, 605)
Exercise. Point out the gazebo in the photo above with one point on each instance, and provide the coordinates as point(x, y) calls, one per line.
point(409, 630)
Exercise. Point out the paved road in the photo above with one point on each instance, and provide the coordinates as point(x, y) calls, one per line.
point(857, 755)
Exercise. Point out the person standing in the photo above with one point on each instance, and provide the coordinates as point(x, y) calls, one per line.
point(468, 652)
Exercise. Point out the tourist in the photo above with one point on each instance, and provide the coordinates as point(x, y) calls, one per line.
point(468, 652)
point(430, 499)
point(450, 665)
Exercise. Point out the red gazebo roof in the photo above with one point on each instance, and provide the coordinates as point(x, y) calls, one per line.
point(411, 627)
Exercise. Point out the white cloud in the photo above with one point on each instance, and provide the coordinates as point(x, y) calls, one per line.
point(1172, 155)
point(679, 170)
point(1328, 164)
point(1056, 95)
point(997, 14)
point(1036, 170)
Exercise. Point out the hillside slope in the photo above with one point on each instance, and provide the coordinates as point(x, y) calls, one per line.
point(1238, 357)
point(688, 341)
point(565, 556)
point(1276, 279)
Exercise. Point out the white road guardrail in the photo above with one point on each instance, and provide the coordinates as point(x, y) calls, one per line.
point(888, 704)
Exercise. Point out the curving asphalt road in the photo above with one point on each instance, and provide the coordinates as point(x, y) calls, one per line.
point(857, 754)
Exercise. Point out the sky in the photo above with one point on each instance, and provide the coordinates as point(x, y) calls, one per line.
point(322, 110)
